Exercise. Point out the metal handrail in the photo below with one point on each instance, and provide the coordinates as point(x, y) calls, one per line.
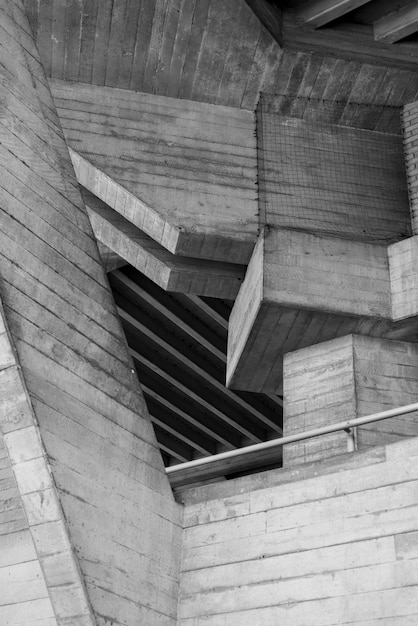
point(277, 443)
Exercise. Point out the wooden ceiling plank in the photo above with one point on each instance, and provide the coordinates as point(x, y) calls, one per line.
point(172, 446)
point(172, 317)
point(209, 380)
point(398, 24)
point(320, 12)
point(174, 432)
point(276, 399)
point(257, 415)
point(188, 393)
point(208, 311)
point(270, 17)
point(205, 429)
point(351, 42)
point(206, 434)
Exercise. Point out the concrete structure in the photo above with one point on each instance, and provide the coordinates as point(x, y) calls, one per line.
point(133, 139)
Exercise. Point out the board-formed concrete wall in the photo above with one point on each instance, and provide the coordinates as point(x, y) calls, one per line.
point(332, 542)
point(122, 520)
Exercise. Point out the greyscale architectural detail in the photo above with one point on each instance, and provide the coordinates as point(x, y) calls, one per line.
point(208, 313)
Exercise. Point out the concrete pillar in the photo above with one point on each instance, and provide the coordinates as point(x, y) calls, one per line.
point(343, 379)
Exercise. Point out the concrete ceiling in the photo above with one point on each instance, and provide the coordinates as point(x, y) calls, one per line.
point(219, 52)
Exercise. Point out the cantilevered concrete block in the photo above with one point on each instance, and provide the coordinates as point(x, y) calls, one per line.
point(169, 271)
point(343, 379)
point(183, 172)
point(301, 289)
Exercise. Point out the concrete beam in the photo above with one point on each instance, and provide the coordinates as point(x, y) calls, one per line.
point(183, 172)
point(398, 24)
point(320, 12)
point(301, 289)
point(170, 272)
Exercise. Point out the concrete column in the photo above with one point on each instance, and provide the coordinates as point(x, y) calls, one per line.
point(342, 379)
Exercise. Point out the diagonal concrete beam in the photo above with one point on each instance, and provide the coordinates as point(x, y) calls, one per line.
point(170, 272)
point(398, 24)
point(303, 288)
point(320, 12)
point(183, 172)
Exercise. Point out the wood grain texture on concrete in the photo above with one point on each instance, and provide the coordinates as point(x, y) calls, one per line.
point(212, 51)
point(300, 289)
point(123, 523)
point(306, 546)
point(40, 575)
point(205, 50)
point(342, 379)
point(397, 24)
point(353, 42)
point(190, 167)
point(171, 272)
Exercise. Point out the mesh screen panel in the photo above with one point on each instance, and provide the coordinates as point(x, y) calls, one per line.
point(322, 169)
